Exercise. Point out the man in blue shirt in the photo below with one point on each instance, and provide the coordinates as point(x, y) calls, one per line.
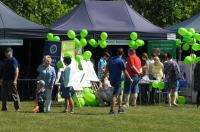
point(115, 68)
point(9, 77)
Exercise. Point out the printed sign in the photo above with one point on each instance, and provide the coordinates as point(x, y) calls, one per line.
point(54, 50)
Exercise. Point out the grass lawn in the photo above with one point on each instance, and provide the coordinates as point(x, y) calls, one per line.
point(93, 119)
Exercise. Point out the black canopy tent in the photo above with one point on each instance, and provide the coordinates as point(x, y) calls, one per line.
point(14, 29)
point(193, 22)
point(13, 26)
point(115, 17)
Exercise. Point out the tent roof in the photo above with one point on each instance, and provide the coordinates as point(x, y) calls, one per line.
point(109, 16)
point(15, 26)
point(191, 22)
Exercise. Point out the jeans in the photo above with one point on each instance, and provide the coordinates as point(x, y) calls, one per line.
point(48, 93)
point(132, 88)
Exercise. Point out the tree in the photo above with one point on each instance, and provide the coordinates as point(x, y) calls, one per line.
point(159, 12)
point(166, 12)
point(42, 12)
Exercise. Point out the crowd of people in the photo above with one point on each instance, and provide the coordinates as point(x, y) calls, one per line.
point(132, 70)
point(112, 71)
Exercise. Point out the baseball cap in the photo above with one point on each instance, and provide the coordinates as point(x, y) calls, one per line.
point(8, 50)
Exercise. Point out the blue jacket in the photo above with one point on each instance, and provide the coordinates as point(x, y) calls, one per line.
point(48, 75)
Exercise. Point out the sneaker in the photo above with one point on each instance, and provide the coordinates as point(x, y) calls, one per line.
point(111, 112)
point(126, 105)
point(175, 105)
point(4, 110)
point(72, 112)
point(121, 110)
point(18, 110)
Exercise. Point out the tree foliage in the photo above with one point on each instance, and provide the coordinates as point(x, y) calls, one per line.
point(43, 12)
point(159, 12)
point(166, 12)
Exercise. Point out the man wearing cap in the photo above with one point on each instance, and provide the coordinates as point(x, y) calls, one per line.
point(9, 77)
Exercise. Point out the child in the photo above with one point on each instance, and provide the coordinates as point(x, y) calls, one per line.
point(67, 90)
point(104, 93)
point(40, 93)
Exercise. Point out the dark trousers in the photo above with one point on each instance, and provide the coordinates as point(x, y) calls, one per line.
point(198, 98)
point(9, 88)
point(144, 93)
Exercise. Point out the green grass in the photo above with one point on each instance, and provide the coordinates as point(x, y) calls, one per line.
point(95, 119)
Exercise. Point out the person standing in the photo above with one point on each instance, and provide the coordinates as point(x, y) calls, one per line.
point(47, 74)
point(115, 68)
point(145, 69)
point(156, 73)
point(102, 64)
point(10, 75)
point(134, 69)
point(67, 90)
point(172, 72)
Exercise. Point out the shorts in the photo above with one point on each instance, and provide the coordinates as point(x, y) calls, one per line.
point(67, 92)
point(171, 86)
point(131, 88)
point(117, 88)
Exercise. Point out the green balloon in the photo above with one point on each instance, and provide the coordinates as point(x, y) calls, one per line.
point(92, 42)
point(104, 36)
point(132, 44)
point(192, 30)
point(188, 60)
point(84, 33)
point(103, 44)
point(50, 36)
point(56, 38)
point(182, 31)
point(188, 35)
point(161, 85)
point(187, 39)
point(181, 100)
point(178, 42)
point(77, 42)
point(59, 65)
point(83, 42)
point(71, 34)
point(196, 47)
point(86, 91)
point(133, 35)
point(186, 47)
point(155, 84)
point(67, 54)
point(90, 98)
point(197, 36)
point(197, 60)
point(94, 103)
point(78, 58)
point(82, 101)
point(87, 55)
point(140, 42)
point(193, 56)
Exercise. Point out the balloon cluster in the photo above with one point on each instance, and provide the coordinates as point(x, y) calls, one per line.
point(78, 100)
point(158, 85)
point(89, 97)
point(134, 42)
point(79, 43)
point(51, 37)
point(190, 40)
point(83, 41)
